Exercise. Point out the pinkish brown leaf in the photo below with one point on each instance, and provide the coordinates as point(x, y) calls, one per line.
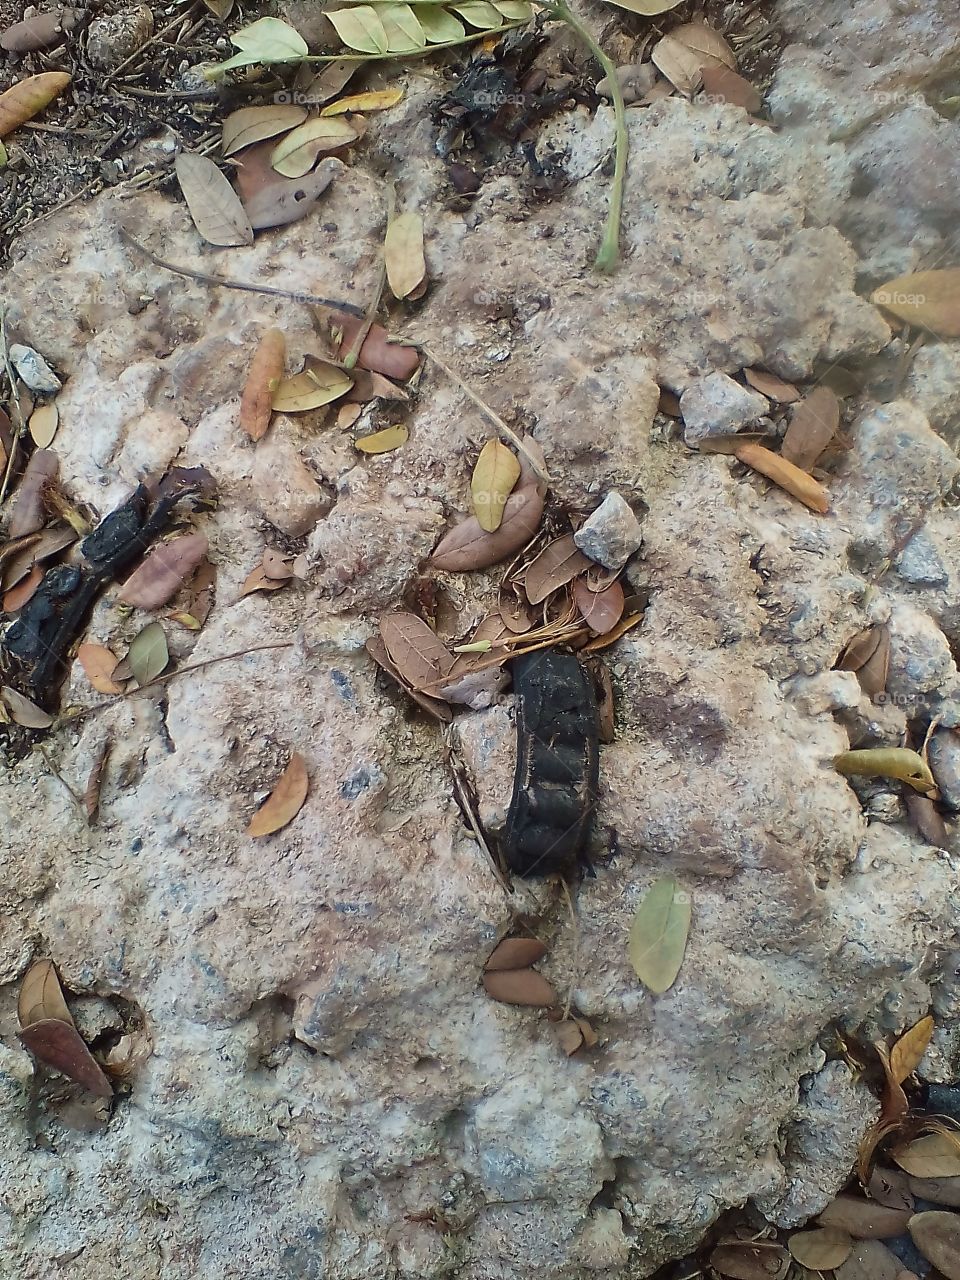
point(520, 986)
point(433, 706)
point(813, 425)
point(418, 654)
point(57, 1044)
point(285, 800)
point(467, 546)
point(557, 564)
point(601, 610)
point(164, 571)
point(515, 953)
point(29, 510)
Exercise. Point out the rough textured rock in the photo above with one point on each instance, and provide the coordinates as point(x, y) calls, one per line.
point(716, 405)
point(610, 534)
point(116, 37)
point(323, 1088)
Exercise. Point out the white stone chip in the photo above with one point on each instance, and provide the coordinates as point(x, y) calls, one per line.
point(612, 534)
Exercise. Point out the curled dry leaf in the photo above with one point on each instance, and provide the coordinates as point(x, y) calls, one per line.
point(297, 153)
point(783, 473)
point(929, 299)
point(164, 570)
point(658, 935)
point(43, 425)
point(887, 762)
point(569, 1036)
point(813, 425)
point(378, 652)
point(750, 1261)
point(515, 953)
point(937, 1235)
point(148, 655)
point(907, 1054)
point(468, 546)
point(623, 626)
point(29, 511)
point(768, 384)
point(316, 386)
point(276, 565)
point(868, 654)
point(367, 386)
point(600, 610)
point(373, 100)
point(58, 1044)
point(927, 819)
point(403, 254)
point(894, 1104)
point(822, 1249)
point(520, 986)
point(259, 580)
point(249, 125)
point(99, 665)
point(285, 800)
point(41, 995)
point(91, 792)
point(864, 1219)
point(935, 1155)
point(384, 441)
point(22, 101)
point(869, 1260)
point(418, 654)
point(393, 359)
point(263, 380)
point(19, 595)
point(557, 564)
point(214, 206)
point(24, 712)
point(493, 480)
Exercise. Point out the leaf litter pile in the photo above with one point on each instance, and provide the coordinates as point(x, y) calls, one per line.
point(275, 160)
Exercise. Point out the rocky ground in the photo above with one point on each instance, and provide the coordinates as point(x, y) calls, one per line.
point(318, 1086)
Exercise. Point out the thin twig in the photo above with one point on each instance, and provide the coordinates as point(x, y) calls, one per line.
point(575, 963)
point(498, 422)
point(18, 422)
point(222, 282)
point(60, 778)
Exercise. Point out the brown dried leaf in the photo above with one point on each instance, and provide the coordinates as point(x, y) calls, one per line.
point(220, 8)
point(214, 206)
point(377, 651)
point(41, 995)
point(783, 473)
point(327, 83)
point(890, 1187)
point(24, 712)
point(58, 1045)
point(623, 626)
point(557, 564)
point(928, 299)
point(679, 63)
point(22, 101)
point(164, 570)
point(937, 1235)
point(600, 610)
point(927, 819)
point(263, 379)
point(515, 614)
point(43, 425)
point(276, 565)
point(515, 953)
point(939, 1190)
point(864, 1219)
point(729, 443)
point(894, 1103)
point(494, 479)
point(707, 42)
point(935, 1155)
point(669, 403)
point(813, 425)
point(907, 1054)
point(369, 385)
point(569, 1036)
point(403, 254)
point(821, 1249)
point(520, 986)
point(750, 1261)
point(91, 792)
point(418, 654)
point(249, 125)
point(768, 384)
point(257, 580)
point(393, 359)
point(29, 512)
point(270, 200)
point(468, 546)
point(42, 31)
point(99, 665)
point(722, 83)
point(869, 1260)
point(285, 800)
point(18, 596)
point(868, 654)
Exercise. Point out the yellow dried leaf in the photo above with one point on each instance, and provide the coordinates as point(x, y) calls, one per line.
point(22, 101)
point(41, 995)
point(907, 1054)
point(783, 473)
point(285, 800)
point(403, 254)
point(887, 762)
point(373, 100)
point(316, 386)
point(928, 299)
point(296, 154)
point(43, 425)
point(494, 478)
point(385, 440)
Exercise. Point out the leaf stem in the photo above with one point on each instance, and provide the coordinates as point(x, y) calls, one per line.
point(606, 259)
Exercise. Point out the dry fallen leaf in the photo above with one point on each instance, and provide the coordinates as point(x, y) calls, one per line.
point(890, 1187)
point(297, 153)
point(418, 653)
point(611, 637)
point(679, 63)
point(42, 31)
point(163, 571)
point(658, 935)
point(259, 580)
point(894, 1105)
point(148, 655)
point(783, 473)
point(927, 819)
point(868, 654)
point(907, 1054)
point(821, 1249)
point(378, 652)
point(515, 953)
point(269, 199)
point(16, 597)
point(928, 299)
point(469, 546)
point(43, 425)
point(520, 986)
point(864, 1219)
point(316, 386)
point(768, 384)
point(558, 563)
point(220, 8)
point(384, 441)
point(250, 125)
point(24, 712)
point(647, 8)
point(58, 1044)
point(22, 101)
point(937, 1235)
point(394, 360)
point(373, 100)
point(41, 995)
point(91, 792)
point(935, 1155)
point(813, 424)
point(869, 1260)
point(727, 86)
point(99, 665)
point(939, 1190)
point(600, 610)
point(214, 206)
point(887, 762)
point(285, 800)
point(263, 380)
point(403, 254)
point(29, 511)
point(707, 43)
point(758, 1260)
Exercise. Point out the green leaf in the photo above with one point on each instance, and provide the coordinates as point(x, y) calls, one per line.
point(439, 26)
point(404, 32)
point(266, 40)
point(360, 28)
point(514, 10)
point(646, 8)
point(479, 14)
point(148, 655)
point(658, 935)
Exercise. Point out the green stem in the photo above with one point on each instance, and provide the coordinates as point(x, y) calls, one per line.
point(606, 259)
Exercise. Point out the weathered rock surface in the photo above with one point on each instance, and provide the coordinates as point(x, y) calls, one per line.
point(323, 1088)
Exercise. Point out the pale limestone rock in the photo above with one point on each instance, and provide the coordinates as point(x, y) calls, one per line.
point(284, 489)
point(716, 405)
point(610, 534)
